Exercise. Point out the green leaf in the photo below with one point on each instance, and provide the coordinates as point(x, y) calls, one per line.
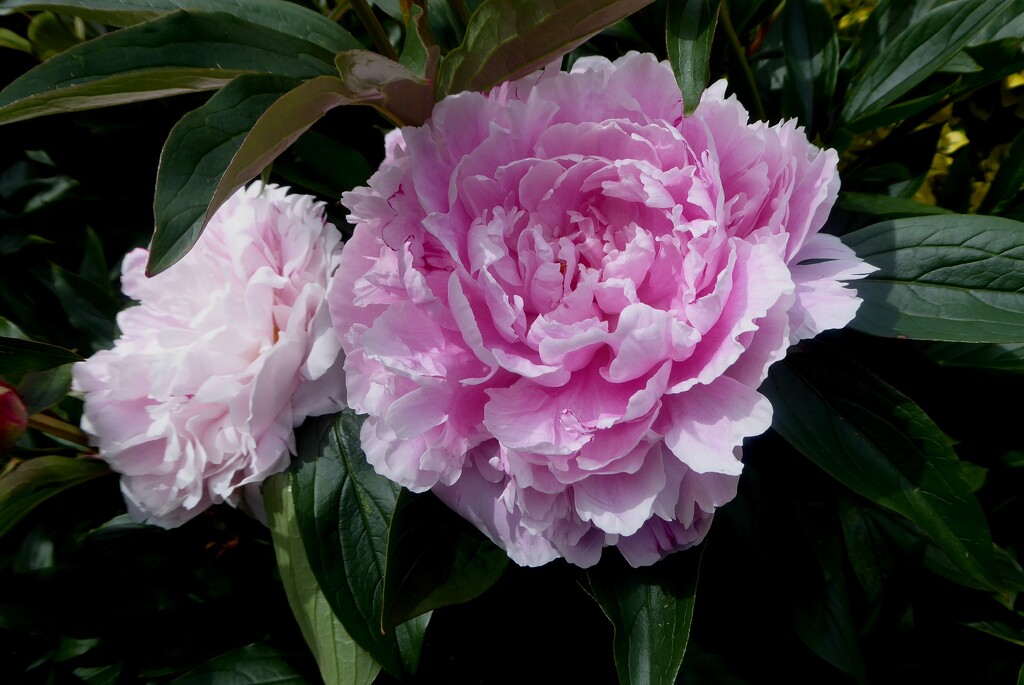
point(11, 40)
point(885, 206)
point(89, 308)
point(287, 17)
point(918, 52)
point(198, 150)
point(689, 33)
point(1007, 357)
point(878, 442)
point(255, 664)
point(43, 389)
point(181, 52)
point(812, 58)
point(33, 482)
point(49, 35)
point(1008, 181)
point(507, 39)
point(397, 93)
point(958, 278)
point(341, 660)
point(651, 610)
point(24, 356)
point(1000, 630)
point(416, 50)
point(435, 559)
point(344, 511)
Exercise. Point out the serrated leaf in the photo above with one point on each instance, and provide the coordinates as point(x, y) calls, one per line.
point(344, 512)
point(918, 52)
point(286, 17)
point(435, 559)
point(341, 660)
point(25, 356)
point(181, 52)
point(811, 50)
point(689, 33)
point(957, 278)
point(651, 609)
point(198, 150)
point(507, 39)
point(35, 481)
point(255, 664)
point(880, 444)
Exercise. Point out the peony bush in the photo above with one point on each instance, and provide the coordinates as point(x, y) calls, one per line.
point(561, 296)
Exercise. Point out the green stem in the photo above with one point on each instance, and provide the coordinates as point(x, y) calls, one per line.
point(373, 27)
point(737, 48)
point(57, 428)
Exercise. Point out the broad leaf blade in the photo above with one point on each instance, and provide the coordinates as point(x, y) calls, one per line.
point(397, 93)
point(26, 356)
point(33, 482)
point(1008, 357)
point(344, 511)
point(812, 57)
point(690, 30)
point(178, 53)
point(917, 53)
point(877, 442)
point(255, 664)
point(198, 150)
point(341, 660)
point(885, 206)
point(287, 17)
point(435, 559)
point(651, 610)
point(957, 278)
point(507, 39)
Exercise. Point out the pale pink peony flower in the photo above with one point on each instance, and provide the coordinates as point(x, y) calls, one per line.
point(227, 352)
point(561, 297)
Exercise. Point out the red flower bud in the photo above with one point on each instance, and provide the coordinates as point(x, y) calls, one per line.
point(13, 417)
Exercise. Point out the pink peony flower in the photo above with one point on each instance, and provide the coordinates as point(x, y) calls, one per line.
point(13, 416)
point(561, 297)
point(227, 351)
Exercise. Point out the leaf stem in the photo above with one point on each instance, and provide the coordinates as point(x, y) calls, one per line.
point(373, 27)
point(737, 47)
point(58, 428)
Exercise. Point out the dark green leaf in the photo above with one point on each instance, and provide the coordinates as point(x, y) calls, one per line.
point(89, 308)
point(286, 17)
point(178, 53)
point(689, 32)
point(812, 58)
point(8, 329)
point(435, 559)
point(1000, 630)
point(344, 511)
point(1008, 181)
point(341, 660)
point(1006, 357)
point(925, 46)
point(866, 548)
point(24, 356)
point(198, 150)
point(885, 206)
point(35, 481)
point(952, 277)
point(397, 93)
point(878, 443)
point(255, 664)
point(507, 39)
point(651, 610)
point(43, 389)
point(416, 50)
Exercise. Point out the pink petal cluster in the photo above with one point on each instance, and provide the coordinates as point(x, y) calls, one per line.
point(561, 297)
point(226, 353)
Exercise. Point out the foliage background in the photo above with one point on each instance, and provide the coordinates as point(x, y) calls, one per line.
point(806, 577)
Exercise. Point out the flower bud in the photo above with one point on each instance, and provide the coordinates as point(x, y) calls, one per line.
point(13, 417)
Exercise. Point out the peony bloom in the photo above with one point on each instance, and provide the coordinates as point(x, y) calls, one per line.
point(561, 297)
point(227, 351)
point(13, 416)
